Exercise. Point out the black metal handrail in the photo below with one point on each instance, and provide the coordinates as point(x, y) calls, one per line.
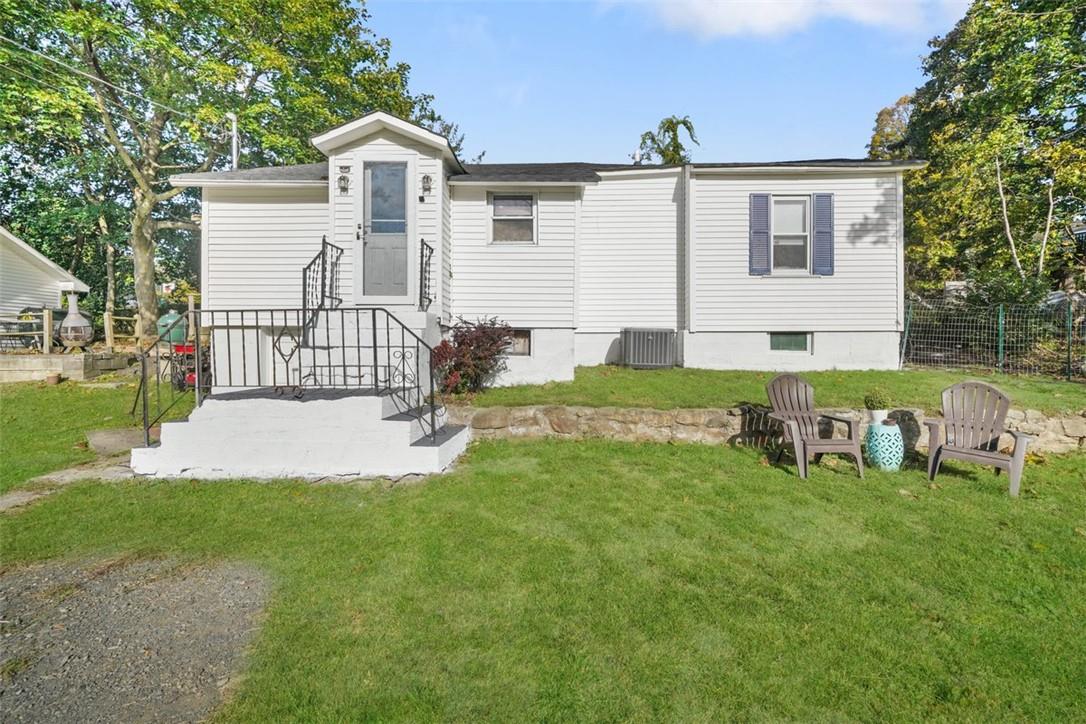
point(290, 351)
point(320, 278)
point(165, 369)
point(426, 256)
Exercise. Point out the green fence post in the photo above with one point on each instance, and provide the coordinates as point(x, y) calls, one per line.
point(1002, 323)
point(1070, 328)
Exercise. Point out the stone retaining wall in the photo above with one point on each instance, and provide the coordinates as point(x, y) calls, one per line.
point(745, 425)
point(17, 367)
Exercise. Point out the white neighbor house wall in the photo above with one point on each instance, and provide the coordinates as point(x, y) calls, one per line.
point(29, 279)
point(627, 259)
point(854, 317)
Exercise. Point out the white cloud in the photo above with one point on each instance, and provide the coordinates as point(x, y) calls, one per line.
point(716, 18)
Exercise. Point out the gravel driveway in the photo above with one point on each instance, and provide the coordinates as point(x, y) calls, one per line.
point(124, 640)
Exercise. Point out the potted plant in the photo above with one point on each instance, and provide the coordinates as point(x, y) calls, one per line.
point(877, 402)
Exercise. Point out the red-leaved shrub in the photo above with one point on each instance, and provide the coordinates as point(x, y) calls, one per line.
point(473, 354)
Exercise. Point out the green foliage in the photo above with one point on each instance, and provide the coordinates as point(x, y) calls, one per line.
point(665, 143)
point(877, 398)
point(888, 138)
point(288, 69)
point(1002, 110)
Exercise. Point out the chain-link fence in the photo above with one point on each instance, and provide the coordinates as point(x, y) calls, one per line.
point(1047, 338)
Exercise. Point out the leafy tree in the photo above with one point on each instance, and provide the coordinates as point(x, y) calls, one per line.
point(1001, 120)
point(665, 144)
point(891, 126)
point(154, 81)
point(65, 205)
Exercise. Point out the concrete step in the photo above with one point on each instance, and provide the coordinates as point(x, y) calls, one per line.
point(326, 433)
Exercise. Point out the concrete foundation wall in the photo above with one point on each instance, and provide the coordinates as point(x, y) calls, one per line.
point(35, 367)
point(597, 348)
point(551, 360)
point(826, 351)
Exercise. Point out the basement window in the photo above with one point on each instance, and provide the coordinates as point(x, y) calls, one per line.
point(512, 218)
point(789, 341)
point(521, 346)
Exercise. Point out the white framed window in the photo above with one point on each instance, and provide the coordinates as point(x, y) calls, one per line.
point(512, 218)
point(791, 227)
point(789, 341)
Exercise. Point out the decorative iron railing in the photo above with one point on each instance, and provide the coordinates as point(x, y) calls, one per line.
point(289, 351)
point(426, 257)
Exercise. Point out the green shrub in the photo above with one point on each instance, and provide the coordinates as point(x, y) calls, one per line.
point(877, 398)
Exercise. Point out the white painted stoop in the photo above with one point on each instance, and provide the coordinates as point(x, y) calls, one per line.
point(258, 433)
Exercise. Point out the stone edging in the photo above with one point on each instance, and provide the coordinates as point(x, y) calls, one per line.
point(747, 424)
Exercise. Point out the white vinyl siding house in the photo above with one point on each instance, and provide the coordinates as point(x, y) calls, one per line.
point(526, 284)
point(256, 242)
point(628, 258)
point(852, 313)
point(789, 265)
point(29, 279)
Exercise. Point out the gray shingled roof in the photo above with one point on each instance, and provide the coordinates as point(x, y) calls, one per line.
point(570, 172)
point(574, 171)
point(300, 172)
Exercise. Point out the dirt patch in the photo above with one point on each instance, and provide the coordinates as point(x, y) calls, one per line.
point(124, 640)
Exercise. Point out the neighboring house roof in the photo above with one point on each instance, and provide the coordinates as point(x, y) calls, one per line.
point(66, 281)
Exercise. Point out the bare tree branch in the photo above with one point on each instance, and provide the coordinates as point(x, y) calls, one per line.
point(1007, 220)
point(1048, 228)
point(175, 224)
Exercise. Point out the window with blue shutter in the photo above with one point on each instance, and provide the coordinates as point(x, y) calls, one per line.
point(822, 226)
point(759, 234)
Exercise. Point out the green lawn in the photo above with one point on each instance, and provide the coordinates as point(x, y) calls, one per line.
point(557, 580)
point(42, 427)
point(609, 385)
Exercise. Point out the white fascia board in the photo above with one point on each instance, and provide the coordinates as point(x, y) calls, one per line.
point(209, 183)
point(672, 171)
point(379, 120)
point(806, 170)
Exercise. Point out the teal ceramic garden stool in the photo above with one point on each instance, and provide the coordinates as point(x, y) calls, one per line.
point(885, 446)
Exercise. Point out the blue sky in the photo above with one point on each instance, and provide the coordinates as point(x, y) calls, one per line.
point(580, 81)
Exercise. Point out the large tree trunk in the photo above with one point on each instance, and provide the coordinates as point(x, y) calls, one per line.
point(143, 262)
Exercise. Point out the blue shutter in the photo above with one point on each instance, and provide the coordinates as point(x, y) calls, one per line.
point(822, 224)
point(759, 234)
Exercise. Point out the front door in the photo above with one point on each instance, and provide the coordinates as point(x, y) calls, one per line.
point(384, 235)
